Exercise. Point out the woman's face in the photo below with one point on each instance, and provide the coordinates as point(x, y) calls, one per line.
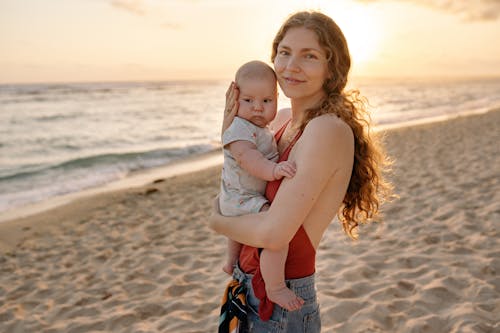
point(301, 65)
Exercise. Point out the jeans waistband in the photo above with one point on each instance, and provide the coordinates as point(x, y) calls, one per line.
point(303, 287)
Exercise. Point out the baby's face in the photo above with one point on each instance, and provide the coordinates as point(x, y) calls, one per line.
point(258, 100)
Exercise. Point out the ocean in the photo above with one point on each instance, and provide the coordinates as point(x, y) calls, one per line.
point(57, 139)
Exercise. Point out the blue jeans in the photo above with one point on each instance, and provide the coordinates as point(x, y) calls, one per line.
point(305, 320)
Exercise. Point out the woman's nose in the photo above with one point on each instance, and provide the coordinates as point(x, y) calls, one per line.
point(292, 64)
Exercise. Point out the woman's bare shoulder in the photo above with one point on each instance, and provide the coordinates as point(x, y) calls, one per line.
point(326, 144)
point(329, 126)
point(281, 118)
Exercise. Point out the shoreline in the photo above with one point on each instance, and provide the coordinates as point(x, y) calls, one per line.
point(134, 180)
point(185, 165)
point(143, 259)
point(48, 218)
point(432, 120)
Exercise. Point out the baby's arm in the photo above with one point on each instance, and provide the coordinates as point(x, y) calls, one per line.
point(251, 160)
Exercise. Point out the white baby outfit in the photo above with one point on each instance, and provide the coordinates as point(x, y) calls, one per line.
point(242, 193)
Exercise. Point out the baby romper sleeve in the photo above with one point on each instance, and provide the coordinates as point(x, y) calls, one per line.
point(240, 130)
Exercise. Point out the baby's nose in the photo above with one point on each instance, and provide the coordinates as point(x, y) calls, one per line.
point(258, 106)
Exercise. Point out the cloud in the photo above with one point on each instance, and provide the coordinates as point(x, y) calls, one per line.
point(480, 10)
point(133, 6)
point(139, 7)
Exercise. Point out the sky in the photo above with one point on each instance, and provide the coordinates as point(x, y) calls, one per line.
point(141, 40)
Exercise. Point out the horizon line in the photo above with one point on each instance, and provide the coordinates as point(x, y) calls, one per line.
point(352, 78)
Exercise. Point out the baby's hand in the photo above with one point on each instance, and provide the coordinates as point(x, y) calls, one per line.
point(284, 169)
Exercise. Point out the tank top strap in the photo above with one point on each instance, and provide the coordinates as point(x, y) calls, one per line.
point(287, 150)
point(280, 132)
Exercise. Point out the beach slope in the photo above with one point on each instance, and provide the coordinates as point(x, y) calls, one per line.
point(143, 260)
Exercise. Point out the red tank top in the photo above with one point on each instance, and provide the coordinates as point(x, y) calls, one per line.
point(301, 253)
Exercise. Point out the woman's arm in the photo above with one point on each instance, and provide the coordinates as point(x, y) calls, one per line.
point(325, 148)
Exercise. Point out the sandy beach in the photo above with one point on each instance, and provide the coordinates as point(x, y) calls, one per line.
point(143, 260)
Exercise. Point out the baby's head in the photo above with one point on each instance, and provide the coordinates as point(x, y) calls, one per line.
point(258, 98)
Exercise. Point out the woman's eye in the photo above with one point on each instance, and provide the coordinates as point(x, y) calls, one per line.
point(311, 56)
point(282, 52)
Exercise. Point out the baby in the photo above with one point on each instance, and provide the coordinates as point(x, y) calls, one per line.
point(250, 155)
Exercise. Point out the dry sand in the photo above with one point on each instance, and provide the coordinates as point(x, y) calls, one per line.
point(143, 260)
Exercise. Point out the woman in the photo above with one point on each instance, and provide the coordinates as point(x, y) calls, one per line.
point(338, 163)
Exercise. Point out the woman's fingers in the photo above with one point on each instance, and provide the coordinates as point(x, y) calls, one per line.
point(232, 99)
point(231, 107)
point(229, 89)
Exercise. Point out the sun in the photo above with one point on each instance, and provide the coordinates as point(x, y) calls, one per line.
point(361, 28)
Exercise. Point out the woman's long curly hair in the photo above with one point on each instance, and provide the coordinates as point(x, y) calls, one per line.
point(367, 188)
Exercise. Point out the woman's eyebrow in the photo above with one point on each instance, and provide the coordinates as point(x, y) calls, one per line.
point(305, 49)
point(308, 49)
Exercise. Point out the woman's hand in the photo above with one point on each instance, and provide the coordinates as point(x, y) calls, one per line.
point(231, 108)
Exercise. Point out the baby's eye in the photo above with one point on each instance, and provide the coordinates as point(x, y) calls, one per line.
point(248, 100)
point(268, 100)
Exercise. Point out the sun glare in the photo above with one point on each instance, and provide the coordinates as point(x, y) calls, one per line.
point(360, 28)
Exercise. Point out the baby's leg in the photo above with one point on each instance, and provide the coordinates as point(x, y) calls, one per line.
point(233, 252)
point(272, 267)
